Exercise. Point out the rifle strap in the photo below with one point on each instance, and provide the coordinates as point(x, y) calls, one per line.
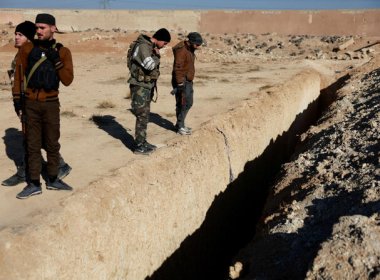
point(35, 66)
point(155, 88)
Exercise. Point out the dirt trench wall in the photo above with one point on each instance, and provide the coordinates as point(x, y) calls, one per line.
point(125, 226)
point(315, 22)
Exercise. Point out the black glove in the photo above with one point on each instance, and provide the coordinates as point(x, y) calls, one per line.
point(53, 56)
point(17, 105)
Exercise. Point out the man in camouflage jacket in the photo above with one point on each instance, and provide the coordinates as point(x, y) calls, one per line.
point(144, 73)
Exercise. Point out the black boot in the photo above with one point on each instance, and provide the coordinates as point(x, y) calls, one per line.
point(143, 149)
point(64, 169)
point(57, 184)
point(17, 178)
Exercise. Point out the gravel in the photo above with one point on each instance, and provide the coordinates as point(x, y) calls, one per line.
point(322, 218)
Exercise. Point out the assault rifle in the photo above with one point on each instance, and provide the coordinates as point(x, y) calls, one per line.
point(22, 102)
point(23, 122)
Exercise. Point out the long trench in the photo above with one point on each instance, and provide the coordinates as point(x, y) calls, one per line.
point(187, 219)
point(231, 220)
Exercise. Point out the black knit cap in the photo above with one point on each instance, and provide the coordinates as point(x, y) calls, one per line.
point(195, 38)
point(45, 18)
point(27, 28)
point(162, 35)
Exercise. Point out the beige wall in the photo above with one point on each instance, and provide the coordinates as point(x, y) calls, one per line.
point(79, 20)
point(365, 22)
point(125, 226)
point(344, 22)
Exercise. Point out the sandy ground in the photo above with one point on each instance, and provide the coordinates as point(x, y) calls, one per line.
point(230, 68)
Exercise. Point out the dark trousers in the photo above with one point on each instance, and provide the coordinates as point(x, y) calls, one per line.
point(141, 98)
point(42, 126)
point(184, 101)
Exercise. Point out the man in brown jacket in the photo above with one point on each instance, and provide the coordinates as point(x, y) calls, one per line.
point(182, 78)
point(25, 32)
point(45, 64)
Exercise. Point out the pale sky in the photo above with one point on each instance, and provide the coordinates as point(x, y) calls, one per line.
point(194, 4)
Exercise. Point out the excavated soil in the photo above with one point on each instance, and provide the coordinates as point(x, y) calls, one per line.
point(321, 219)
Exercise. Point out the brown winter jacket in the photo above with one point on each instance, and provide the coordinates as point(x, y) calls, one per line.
point(65, 74)
point(183, 67)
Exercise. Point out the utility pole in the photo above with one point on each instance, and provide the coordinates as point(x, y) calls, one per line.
point(105, 4)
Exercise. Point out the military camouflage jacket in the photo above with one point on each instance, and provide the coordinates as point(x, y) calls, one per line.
point(145, 67)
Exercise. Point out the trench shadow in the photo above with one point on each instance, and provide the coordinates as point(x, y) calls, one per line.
point(115, 129)
point(279, 252)
point(14, 148)
point(329, 94)
point(230, 222)
point(160, 121)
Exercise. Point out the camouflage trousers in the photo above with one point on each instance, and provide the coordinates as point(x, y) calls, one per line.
point(141, 98)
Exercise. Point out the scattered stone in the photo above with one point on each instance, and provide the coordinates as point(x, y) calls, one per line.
point(344, 45)
point(323, 213)
point(271, 48)
point(235, 270)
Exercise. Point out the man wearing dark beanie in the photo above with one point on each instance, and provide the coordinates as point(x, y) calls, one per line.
point(25, 32)
point(162, 35)
point(45, 63)
point(143, 62)
point(26, 29)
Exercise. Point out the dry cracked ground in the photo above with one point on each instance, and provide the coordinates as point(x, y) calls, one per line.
point(321, 220)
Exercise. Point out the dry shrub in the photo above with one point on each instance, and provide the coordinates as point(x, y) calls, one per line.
point(122, 79)
point(118, 80)
point(225, 80)
point(254, 68)
point(205, 77)
point(106, 104)
point(265, 87)
point(253, 79)
point(214, 98)
point(69, 114)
